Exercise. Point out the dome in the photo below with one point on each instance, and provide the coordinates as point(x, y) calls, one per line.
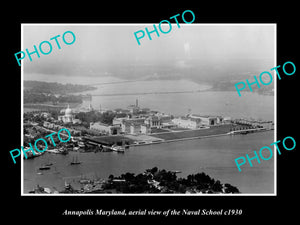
point(68, 111)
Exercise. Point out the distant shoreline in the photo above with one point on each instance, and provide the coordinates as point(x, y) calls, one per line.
point(43, 106)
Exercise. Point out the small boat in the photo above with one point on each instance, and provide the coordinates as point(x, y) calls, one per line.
point(44, 168)
point(118, 148)
point(76, 148)
point(75, 161)
point(55, 171)
point(81, 144)
point(106, 148)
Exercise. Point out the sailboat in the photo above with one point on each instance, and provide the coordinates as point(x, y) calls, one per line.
point(55, 171)
point(75, 161)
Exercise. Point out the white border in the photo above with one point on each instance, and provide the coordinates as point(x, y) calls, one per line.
point(139, 24)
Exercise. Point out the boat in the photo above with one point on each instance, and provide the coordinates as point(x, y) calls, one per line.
point(75, 161)
point(118, 148)
point(81, 144)
point(55, 171)
point(76, 148)
point(44, 168)
point(105, 148)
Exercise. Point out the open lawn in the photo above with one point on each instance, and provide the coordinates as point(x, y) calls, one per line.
point(158, 130)
point(223, 129)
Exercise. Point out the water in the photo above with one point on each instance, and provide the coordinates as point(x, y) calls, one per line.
point(206, 103)
point(225, 103)
point(214, 156)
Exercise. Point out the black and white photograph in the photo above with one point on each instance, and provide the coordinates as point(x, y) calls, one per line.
point(129, 109)
point(149, 113)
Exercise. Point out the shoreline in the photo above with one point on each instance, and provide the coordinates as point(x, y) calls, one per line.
point(200, 137)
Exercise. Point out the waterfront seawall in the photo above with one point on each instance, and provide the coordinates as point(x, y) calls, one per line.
point(202, 136)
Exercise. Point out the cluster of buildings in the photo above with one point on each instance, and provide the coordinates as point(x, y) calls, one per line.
point(135, 120)
point(143, 121)
point(55, 126)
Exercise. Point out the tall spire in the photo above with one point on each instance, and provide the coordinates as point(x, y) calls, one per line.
point(90, 107)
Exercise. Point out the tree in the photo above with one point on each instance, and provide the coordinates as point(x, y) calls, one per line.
point(128, 176)
point(231, 189)
point(181, 188)
point(154, 170)
point(111, 177)
point(217, 186)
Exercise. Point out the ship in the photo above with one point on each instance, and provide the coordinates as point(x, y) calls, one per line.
point(81, 144)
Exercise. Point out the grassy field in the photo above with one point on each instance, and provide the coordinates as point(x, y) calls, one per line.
point(223, 129)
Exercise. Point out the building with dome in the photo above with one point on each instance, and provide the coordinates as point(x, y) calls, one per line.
point(68, 117)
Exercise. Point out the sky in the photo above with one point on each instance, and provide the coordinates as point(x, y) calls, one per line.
point(102, 50)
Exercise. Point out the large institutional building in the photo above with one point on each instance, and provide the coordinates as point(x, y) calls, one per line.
point(135, 120)
point(194, 121)
point(68, 117)
point(105, 128)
